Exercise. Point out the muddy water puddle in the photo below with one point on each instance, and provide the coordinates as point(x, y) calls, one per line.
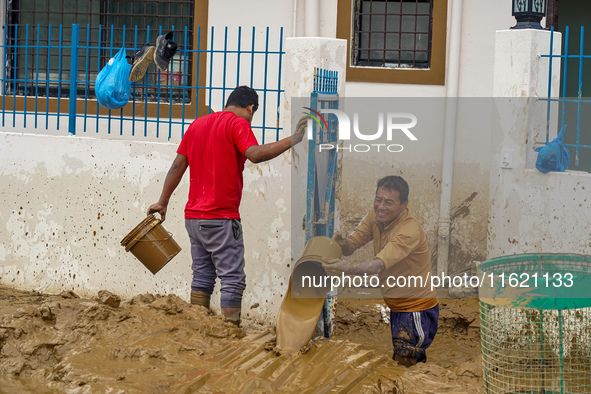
point(161, 344)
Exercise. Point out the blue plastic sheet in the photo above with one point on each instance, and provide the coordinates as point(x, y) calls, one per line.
point(112, 85)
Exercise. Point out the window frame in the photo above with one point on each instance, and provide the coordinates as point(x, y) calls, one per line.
point(434, 75)
point(165, 110)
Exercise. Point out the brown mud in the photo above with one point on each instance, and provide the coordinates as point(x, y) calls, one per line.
point(454, 360)
point(161, 344)
point(298, 316)
point(302, 305)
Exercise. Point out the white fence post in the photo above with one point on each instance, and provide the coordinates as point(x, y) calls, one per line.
point(301, 56)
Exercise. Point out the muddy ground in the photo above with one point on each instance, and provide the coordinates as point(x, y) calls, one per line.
point(454, 360)
point(161, 344)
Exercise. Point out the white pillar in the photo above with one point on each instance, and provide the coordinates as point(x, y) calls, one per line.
point(520, 71)
point(302, 55)
point(312, 15)
point(519, 193)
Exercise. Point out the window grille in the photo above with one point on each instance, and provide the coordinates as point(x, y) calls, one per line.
point(105, 26)
point(392, 34)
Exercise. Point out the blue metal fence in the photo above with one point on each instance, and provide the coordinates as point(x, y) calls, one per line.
point(36, 84)
point(571, 98)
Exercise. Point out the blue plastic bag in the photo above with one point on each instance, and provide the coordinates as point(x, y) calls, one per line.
point(112, 87)
point(553, 156)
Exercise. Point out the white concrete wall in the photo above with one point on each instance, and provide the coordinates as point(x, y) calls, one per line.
point(68, 202)
point(530, 211)
point(274, 14)
point(420, 165)
point(303, 54)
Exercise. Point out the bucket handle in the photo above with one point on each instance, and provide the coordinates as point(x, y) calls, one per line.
point(150, 240)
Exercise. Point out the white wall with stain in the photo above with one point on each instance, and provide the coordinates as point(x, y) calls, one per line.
point(419, 163)
point(68, 202)
point(531, 212)
point(302, 56)
point(266, 220)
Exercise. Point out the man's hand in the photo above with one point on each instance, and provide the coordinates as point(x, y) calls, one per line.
point(160, 208)
point(338, 238)
point(300, 130)
point(334, 267)
point(346, 248)
point(260, 153)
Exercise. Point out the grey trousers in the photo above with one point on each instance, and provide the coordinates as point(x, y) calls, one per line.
point(217, 250)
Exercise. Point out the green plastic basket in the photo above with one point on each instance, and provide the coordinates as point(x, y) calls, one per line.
point(535, 329)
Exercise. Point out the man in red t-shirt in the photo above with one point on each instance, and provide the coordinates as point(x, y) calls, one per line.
point(215, 148)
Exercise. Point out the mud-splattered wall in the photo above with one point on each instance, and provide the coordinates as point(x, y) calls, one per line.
point(303, 55)
point(531, 212)
point(469, 212)
point(419, 163)
point(68, 201)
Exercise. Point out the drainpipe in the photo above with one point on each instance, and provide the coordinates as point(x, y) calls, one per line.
point(449, 137)
point(2, 39)
point(295, 18)
point(312, 18)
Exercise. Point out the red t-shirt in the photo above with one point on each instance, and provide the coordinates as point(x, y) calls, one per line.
point(215, 146)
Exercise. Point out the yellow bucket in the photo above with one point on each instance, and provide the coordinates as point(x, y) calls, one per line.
point(151, 244)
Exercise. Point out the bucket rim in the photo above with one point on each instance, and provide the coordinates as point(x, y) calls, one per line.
point(139, 231)
point(322, 246)
point(515, 258)
point(310, 259)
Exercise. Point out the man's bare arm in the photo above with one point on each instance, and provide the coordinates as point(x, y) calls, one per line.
point(371, 267)
point(337, 267)
point(260, 153)
point(172, 180)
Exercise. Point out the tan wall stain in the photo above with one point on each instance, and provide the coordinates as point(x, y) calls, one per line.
point(469, 214)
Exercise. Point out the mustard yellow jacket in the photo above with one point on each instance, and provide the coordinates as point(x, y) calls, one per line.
point(403, 247)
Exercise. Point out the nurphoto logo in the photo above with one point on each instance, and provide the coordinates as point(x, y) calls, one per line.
point(397, 124)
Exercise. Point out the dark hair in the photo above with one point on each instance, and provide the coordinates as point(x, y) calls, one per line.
point(242, 97)
point(394, 182)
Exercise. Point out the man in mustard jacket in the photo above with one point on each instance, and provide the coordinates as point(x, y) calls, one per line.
point(403, 264)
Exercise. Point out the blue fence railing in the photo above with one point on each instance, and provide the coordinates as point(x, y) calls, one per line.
point(41, 69)
point(325, 81)
point(573, 111)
